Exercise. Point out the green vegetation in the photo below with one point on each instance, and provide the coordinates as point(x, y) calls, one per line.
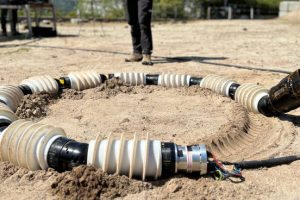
point(268, 3)
point(168, 8)
point(163, 9)
point(108, 9)
point(257, 3)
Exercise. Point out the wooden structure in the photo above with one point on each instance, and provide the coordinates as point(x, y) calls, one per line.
point(36, 7)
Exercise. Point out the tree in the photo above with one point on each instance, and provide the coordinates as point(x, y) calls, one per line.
point(168, 8)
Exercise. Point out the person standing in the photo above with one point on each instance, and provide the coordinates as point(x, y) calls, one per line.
point(139, 13)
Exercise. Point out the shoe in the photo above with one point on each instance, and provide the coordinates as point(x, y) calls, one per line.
point(147, 59)
point(135, 57)
point(15, 33)
point(4, 33)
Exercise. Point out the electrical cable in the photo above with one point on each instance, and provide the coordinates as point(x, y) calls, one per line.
point(254, 164)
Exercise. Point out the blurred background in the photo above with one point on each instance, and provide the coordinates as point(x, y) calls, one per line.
point(177, 9)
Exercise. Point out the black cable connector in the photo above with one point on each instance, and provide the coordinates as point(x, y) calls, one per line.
point(232, 89)
point(25, 89)
point(195, 81)
point(152, 79)
point(264, 107)
point(65, 154)
point(168, 159)
point(4, 123)
point(64, 83)
point(103, 78)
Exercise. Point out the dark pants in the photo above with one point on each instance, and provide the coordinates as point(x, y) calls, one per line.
point(139, 14)
point(14, 19)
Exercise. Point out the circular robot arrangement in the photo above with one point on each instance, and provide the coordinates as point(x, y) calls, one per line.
point(38, 146)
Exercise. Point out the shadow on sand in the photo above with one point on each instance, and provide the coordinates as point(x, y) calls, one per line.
point(156, 59)
point(290, 118)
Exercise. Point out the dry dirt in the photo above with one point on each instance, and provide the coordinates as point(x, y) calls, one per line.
point(85, 182)
point(247, 51)
point(34, 106)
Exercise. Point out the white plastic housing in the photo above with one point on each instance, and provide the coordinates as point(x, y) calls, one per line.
point(217, 84)
point(11, 95)
point(138, 158)
point(132, 78)
point(174, 80)
point(84, 80)
point(7, 113)
point(41, 84)
point(249, 95)
point(26, 144)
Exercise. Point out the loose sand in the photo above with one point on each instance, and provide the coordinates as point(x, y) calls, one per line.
point(236, 49)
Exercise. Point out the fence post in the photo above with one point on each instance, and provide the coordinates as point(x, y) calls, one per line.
point(251, 13)
point(208, 14)
point(27, 11)
point(229, 12)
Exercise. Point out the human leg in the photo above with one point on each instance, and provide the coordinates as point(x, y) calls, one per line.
point(14, 22)
point(3, 21)
point(132, 19)
point(145, 15)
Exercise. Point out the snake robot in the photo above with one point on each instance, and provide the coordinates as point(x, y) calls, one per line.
point(37, 146)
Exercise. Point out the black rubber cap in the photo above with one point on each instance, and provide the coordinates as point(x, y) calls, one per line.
point(64, 83)
point(195, 81)
point(4, 123)
point(168, 159)
point(264, 107)
point(25, 89)
point(152, 79)
point(65, 154)
point(103, 78)
point(232, 89)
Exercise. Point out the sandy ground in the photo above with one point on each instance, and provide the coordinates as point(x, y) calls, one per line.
point(247, 51)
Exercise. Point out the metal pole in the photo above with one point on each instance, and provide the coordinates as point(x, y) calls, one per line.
point(208, 15)
point(251, 13)
point(229, 12)
point(27, 11)
point(54, 17)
